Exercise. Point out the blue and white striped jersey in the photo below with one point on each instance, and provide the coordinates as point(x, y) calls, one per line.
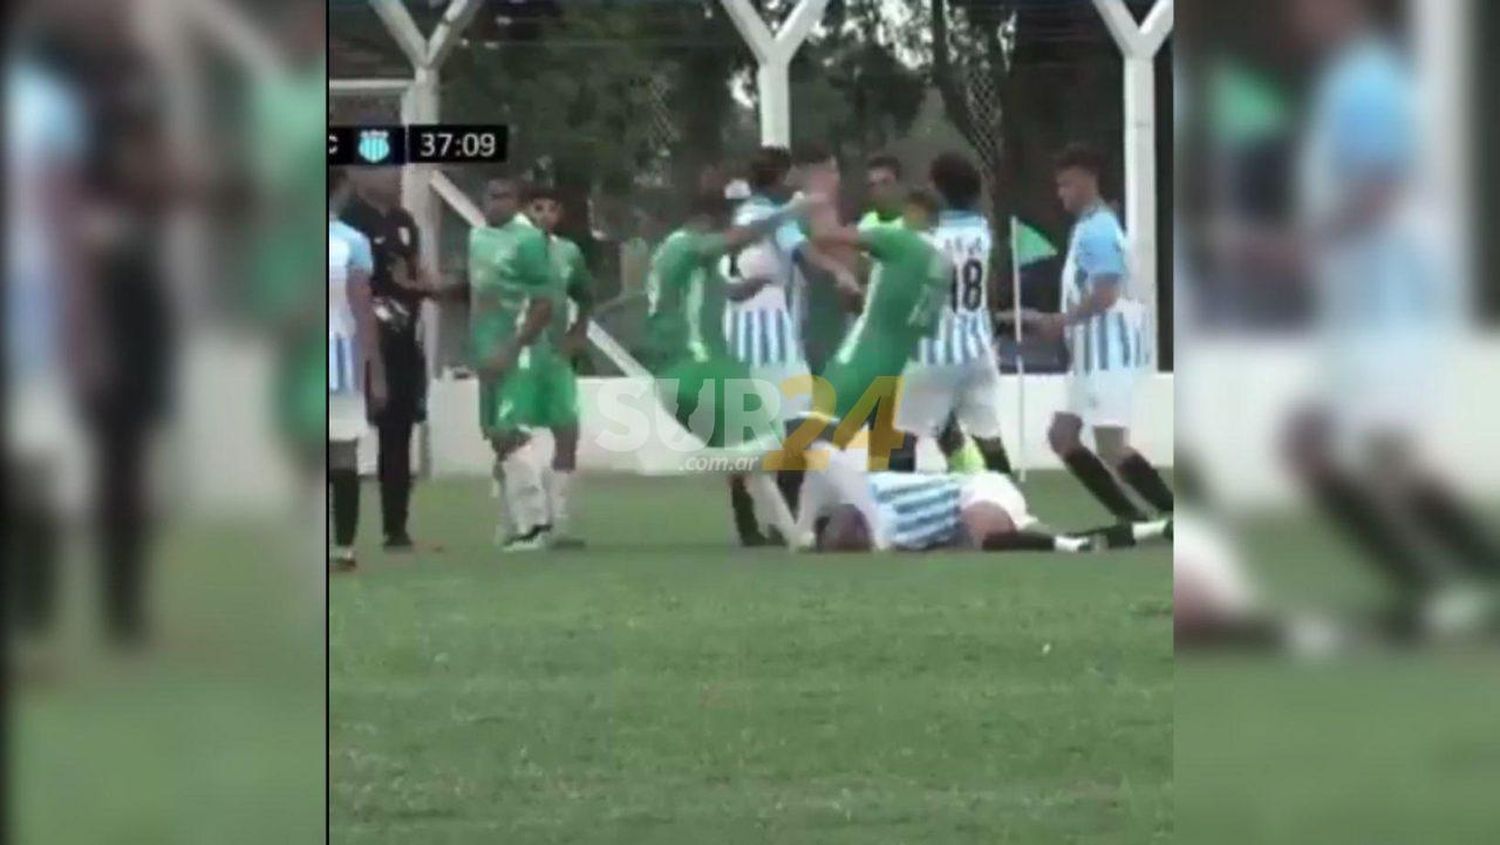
point(915, 511)
point(45, 133)
point(904, 511)
point(964, 329)
point(348, 251)
point(1114, 340)
point(764, 330)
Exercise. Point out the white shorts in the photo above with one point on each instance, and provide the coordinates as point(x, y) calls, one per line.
point(346, 417)
point(1102, 399)
point(793, 381)
point(992, 488)
point(931, 393)
point(44, 434)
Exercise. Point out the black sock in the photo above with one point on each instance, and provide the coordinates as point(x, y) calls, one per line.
point(1114, 536)
point(904, 456)
point(345, 484)
point(1450, 523)
point(789, 482)
point(1354, 510)
point(1138, 473)
point(995, 458)
point(744, 511)
point(395, 499)
point(1087, 468)
point(1020, 541)
point(33, 563)
point(950, 439)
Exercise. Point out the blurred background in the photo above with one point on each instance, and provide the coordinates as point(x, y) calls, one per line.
point(164, 595)
point(1337, 308)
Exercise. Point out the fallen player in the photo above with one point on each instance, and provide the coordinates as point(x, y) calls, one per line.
point(846, 508)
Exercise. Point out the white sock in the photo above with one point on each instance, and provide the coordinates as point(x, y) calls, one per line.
point(1148, 530)
point(522, 492)
point(1064, 543)
point(558, 482)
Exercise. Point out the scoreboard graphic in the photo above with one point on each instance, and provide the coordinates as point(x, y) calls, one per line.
point(395, 145)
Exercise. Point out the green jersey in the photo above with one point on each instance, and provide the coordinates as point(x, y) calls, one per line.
point(508, 266)
point(686, 295)
point(904, 303)
point(291, 167)
point(570, 279)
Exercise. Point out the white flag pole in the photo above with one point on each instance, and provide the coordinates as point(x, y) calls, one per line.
point(1023, 459)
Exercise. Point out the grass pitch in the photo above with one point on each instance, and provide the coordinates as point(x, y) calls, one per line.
point(663, 686)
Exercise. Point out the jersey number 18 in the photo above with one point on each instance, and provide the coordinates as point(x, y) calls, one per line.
point(968, 285)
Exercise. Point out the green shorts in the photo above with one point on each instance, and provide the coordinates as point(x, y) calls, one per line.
point(542, 392)
point(861, 393)
point(686, 383)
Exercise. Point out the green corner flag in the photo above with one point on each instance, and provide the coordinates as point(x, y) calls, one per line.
point(1030, 245)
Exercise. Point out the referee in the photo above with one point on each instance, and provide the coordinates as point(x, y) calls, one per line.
point(399, 285)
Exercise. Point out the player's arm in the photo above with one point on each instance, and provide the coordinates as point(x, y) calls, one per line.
point(782, 222)
point(745, 289)
point(1102, 260)
point(366, 331)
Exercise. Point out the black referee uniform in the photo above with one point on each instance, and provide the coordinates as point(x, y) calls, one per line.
point(396, 243)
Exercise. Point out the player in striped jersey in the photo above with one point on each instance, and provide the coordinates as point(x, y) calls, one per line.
point(353, 368)
point(954, 375)
point(763, 324)
point(845, 508)
point(1102, 326)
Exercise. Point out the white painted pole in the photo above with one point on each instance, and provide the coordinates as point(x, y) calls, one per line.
point(1023, 455)
point(1441, 37)
point(773, 54)
point(1140, 178)
point(1138, 47)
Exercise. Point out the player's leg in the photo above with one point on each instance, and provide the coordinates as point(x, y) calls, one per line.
point(1111, 398)
point(561, 410)
point(346, 423)
point(977, 410)
point(32, 545)
point(994, 517)
point(1356, 507)
point(517, 478)
point(924, 404)
point(1131, 466)
point(1434, 508)
point(394, 471)
point(1065, 435)
point(789, 381)
point(343, 484)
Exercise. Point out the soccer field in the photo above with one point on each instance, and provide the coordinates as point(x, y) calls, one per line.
point(664, 687)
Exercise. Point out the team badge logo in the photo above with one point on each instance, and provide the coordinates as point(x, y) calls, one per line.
point(375, 145)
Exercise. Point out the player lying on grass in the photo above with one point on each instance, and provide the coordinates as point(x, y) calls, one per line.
point(845, 508)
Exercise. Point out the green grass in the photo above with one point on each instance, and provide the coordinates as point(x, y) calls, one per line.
point(666, 687)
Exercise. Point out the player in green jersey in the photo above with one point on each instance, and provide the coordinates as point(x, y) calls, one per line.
point(512, 297)
point(687, 297)
point(551, 365)
point(908, 286)
point(699, 378)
